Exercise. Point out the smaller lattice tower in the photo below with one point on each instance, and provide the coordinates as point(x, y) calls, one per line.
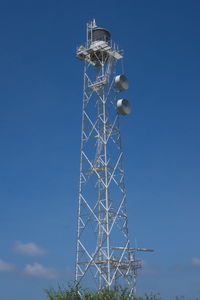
point(103, 251)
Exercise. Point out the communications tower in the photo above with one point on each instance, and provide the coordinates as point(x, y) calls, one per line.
point(103, 253)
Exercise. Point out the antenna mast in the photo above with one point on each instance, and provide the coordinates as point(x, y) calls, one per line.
point(103, 253)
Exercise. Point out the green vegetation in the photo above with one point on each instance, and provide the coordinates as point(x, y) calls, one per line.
point(116, 293)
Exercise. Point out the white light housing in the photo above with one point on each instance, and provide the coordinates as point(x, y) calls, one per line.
point(123, 107)
point(121, 82)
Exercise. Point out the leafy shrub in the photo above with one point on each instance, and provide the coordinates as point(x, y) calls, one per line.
point(117, 293)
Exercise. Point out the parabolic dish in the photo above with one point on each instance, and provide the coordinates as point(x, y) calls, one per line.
point(123, 107)
point(121, 82)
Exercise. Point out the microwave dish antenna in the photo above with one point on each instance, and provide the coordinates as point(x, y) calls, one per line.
point(121, 82)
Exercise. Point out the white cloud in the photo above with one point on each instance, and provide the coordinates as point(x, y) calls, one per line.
point(39, 270)
point(6, 266)
point(196, 261)
point(28, 248)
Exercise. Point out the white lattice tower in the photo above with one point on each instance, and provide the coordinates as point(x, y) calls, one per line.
point(103, 247)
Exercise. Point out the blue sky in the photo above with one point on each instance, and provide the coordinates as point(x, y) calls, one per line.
point(40, 120)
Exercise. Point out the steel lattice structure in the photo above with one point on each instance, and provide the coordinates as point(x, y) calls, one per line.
point(103, 247)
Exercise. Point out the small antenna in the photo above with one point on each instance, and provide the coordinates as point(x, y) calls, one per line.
point(92, 24)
